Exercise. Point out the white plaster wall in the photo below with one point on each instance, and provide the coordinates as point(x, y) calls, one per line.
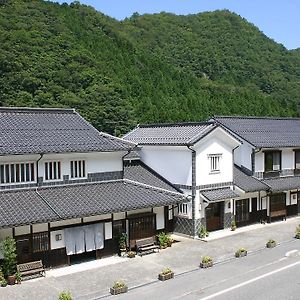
point(22, 230)
point(259, 162)
point(173, 163)
point(287, 159)
point(160, 217)
point(65, 222)
point(242, 155)
point(108, 230)
point(94, 162)
point(203, 172)
point(119, 216)
point(5, 233)
point(40, 227)
point(96, 218)
point(57, 244)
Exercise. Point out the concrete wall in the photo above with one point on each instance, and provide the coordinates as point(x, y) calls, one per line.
point(242, 155)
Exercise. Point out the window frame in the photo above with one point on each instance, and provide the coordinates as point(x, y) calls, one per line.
point(297, 153)
point(58, 162)
point(272, 154)
point(183, 209)
point(24, 169)
point(74, 162)
point(215, 163)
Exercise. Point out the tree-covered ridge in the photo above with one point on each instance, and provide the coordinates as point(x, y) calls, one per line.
point(151, 68)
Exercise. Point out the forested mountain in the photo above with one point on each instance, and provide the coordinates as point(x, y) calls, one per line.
point(150, 68)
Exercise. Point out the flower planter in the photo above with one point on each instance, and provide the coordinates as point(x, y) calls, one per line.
point(271, 245)
point(297, 236)
point(163, 246)
point(233, 228)
point(167, 276)
point(206, 265)
point(120, 290)
point(240, 254)
point(11, 279)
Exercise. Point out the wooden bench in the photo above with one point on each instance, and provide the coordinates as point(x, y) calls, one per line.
point(278, 213)
point(31, 268)
point(146, 246)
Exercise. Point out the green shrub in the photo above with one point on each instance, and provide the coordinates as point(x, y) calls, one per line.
point(166, 271)
point(9, 256)
point(3, 282)
point(65, 295)
point(202, 232)
point(164, 239)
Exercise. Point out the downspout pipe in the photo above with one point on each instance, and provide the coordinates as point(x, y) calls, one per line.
point(193, 189)
point(37, 169)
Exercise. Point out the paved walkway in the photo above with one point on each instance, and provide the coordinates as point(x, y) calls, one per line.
point(92, 280)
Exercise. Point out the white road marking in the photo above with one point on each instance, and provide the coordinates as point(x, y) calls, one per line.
point(292, 253)
point(249, 281)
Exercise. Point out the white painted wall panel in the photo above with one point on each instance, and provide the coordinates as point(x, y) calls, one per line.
point(5, 233)
point(108, 230)
point(160, 218)
point(65, 222)
point(22, 230)
point(173, 163)
point(57, 244)
point(40, 227)
point(96, 218)
point(203, 168)
point(119, 216)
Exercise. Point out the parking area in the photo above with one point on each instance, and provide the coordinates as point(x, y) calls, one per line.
point(92, 280)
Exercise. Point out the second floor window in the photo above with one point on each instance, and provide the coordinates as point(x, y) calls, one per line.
point(297, 159)
point(272, 161)
point(214, 162)
point(77, 168)
point(17, 173)
point(52, 170)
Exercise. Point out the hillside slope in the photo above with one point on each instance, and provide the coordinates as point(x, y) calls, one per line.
point(118, 74)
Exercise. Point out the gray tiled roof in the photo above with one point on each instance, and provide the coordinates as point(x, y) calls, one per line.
point(264, 132)
point(132, 155)
point(138, 171)
point(219, 194)
point(20, 207)
point(75, 201)
point(28, 131)
point(281, 184)
point(169, 134)
point(247, 182)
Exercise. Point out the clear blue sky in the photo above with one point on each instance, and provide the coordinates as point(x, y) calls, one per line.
point(278, 19)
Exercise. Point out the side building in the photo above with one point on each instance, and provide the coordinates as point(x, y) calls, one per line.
point(198, 159)
point(270, 156)
point(67, 191)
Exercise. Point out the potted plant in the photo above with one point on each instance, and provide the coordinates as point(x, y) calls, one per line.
point(131, 254)
point(162, 240)
point(271, 243)
point(119, 287)
point(202, 232)
point(18, 278)
point(233, 225)
point(297, 236)
point(241, 252)
point(65, 295)
point(3, 282)
point(122, 244)
point(9, 259)
point(166, 274)
point(206, 262)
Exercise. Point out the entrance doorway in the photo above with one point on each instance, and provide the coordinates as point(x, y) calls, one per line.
point(141, 226)
point(24, 249)
point(214, 216)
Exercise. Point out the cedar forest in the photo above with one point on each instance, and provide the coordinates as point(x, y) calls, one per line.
point(144, 69)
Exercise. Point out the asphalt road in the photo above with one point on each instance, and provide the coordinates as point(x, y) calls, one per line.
point(267, 274)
